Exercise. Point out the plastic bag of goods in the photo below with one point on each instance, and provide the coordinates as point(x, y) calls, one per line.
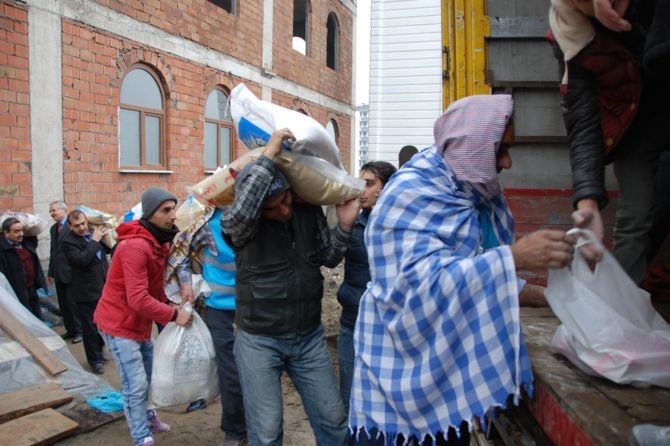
point(103, 221)
point(184, 366)
point(133, 214)
point(188, 212)
point(256, 120)
point(314, 180)
point(33, 225)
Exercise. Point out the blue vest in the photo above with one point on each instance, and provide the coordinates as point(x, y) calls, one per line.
point(219, 271)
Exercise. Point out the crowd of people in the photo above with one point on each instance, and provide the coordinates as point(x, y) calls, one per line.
point(430, 334)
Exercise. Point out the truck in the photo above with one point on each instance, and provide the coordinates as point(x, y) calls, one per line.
point(425, 54)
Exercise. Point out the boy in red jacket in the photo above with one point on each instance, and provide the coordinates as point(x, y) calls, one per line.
point(132, 299)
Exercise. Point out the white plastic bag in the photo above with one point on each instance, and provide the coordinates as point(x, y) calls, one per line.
point(257, 119)
point(609, 327)
point(184, 366)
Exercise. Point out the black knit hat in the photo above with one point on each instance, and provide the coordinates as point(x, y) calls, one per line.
point(152, 198)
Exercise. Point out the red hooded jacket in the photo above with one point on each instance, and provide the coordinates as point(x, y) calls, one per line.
point(134, 293)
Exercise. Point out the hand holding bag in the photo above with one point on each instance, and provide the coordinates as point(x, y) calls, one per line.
point(609, 327)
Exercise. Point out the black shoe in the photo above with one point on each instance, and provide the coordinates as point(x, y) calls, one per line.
point(67, 335)
point(196, 405)
point(97, 368)
point(77, 338)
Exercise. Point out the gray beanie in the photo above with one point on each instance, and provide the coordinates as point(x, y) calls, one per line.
point(152, 198)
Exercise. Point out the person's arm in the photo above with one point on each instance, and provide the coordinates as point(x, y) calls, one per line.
point(582, 116)
point(611, 12)
point(240, 221)
point(78, 257)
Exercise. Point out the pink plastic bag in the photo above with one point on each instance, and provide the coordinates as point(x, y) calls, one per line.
point(609, 327)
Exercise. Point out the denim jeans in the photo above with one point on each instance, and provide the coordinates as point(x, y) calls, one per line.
point(220, 324)
point(261, 361)
point(133, 360)
point(345, 359)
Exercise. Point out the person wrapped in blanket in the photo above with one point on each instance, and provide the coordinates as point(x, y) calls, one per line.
point(438, 338)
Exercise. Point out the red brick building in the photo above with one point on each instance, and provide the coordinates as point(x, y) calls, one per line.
point(101, 99)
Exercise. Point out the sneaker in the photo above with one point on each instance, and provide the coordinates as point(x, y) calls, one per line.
point(155, 424)
point(148, 441)
point(98, 369)
point(649, 435)
point(77, 338)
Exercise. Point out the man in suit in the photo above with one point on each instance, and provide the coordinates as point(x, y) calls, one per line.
point(59, 272)
point(87, 259)
point(21, 265)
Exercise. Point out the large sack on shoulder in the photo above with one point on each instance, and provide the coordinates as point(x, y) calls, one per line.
point(316, 181)
point(33, 225)
point(256, 120)
point(105, 222)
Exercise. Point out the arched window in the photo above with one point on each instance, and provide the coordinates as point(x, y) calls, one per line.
point(333, 42)
point(300, 26)
point(332, 130)
point(141, 120)
point(219, 129)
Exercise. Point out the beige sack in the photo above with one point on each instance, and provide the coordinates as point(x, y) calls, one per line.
point(313, 179)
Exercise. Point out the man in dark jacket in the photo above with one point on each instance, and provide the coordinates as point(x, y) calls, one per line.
point(21, 265)
point(357, 271)
point(615, 107)
point(87, 259)
point(280, 245)
point(59, 271)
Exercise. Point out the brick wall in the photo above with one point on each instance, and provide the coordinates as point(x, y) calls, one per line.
point(94, 64)
point(311, 69)
point(15, 154)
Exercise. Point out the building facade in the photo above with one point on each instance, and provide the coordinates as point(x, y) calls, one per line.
point(101, 99)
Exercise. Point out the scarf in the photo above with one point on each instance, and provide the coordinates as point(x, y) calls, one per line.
point(469, 133)
point(162, 236)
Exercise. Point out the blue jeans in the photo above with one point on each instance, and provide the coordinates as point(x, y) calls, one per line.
point(133, 360)
point(345, 359)
point(261, 361)
point(220, 324)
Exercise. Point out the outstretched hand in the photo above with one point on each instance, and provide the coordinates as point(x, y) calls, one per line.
point(546, 248)
point(588, 217)
point(610, 13)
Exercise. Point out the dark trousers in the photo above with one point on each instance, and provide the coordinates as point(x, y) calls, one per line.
point(92, 340)
point(33, 303)
point(67, 309)
point(220, 324)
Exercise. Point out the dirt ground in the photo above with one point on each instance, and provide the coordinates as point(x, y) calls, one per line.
point(202, 427)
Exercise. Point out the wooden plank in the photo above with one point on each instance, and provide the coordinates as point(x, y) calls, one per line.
point(31, 399)
point(40, 428)
point(40, 353)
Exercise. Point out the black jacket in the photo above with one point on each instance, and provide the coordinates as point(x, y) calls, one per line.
point(582, 109)
point(58, 267)
point(11, 267)
point(88, 272)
